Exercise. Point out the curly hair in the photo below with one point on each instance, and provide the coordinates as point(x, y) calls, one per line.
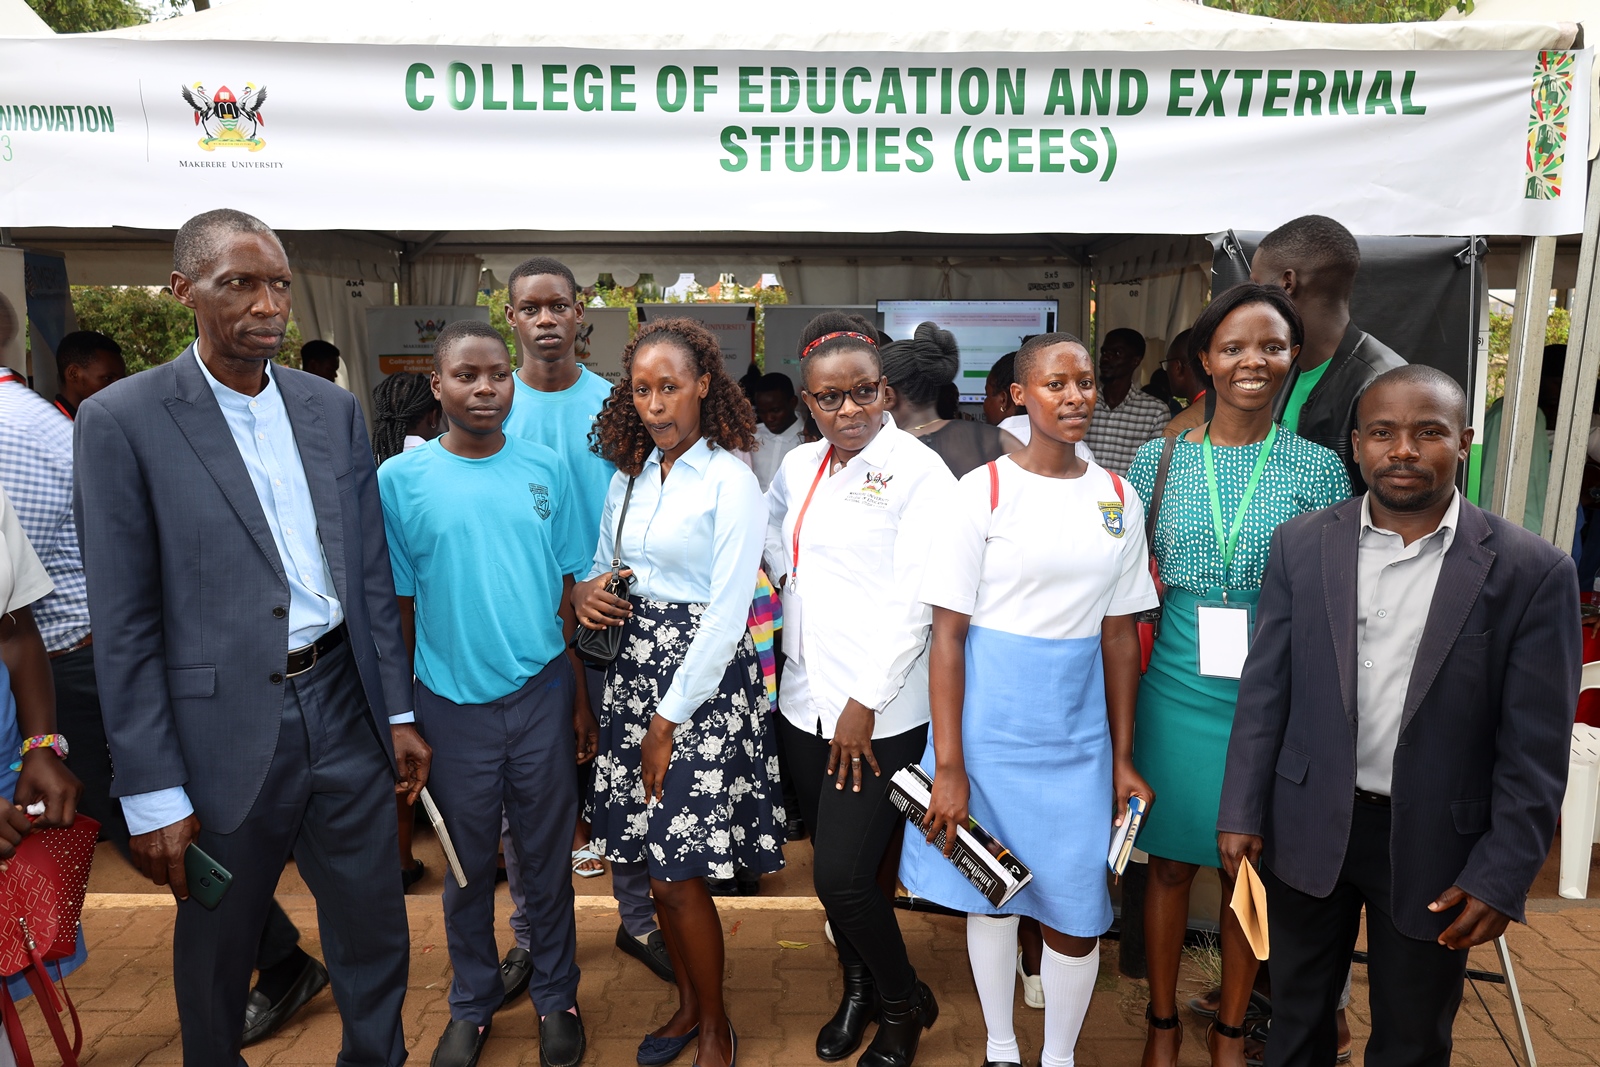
point(726, 418)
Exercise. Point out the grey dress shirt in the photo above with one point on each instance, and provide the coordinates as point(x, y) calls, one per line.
point(1394, 592)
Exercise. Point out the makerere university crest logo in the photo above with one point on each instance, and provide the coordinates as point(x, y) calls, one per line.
point(228, 121)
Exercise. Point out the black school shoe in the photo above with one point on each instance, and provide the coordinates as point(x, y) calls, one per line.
point(516, 971)
point(561, 1039)
point(459, 1045)
point(263, 1018)
point(652, 953)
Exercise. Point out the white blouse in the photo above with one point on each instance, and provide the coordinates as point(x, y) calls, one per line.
point(23, 578)
point(691, 538)
point(854, 624)
point(1050, 559)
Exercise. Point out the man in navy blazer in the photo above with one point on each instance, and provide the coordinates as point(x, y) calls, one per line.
point(254, 686)
point(1400, 741)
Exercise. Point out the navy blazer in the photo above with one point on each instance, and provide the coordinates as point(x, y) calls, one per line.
point(1481, 764)
point(187, 593)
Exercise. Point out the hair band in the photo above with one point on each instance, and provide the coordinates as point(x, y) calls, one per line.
point(831, 336)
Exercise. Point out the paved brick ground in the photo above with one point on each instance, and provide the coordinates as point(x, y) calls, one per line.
point(778, 996)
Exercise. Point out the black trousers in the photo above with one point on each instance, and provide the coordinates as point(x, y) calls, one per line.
point(328, 799)
point(78, 717)
point(1415, 985)
point(849, 834)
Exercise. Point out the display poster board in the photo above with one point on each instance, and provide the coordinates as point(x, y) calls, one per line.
point(985, 330)
point(734, 326)
point(604, 333)
point(101, 131)
point(13, 311)
point(781, 326)
point(401, 338)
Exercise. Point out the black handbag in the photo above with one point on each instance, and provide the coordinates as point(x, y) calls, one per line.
point(598, 648)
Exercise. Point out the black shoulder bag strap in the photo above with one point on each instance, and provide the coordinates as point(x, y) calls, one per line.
point(616, 541)
point(1156, 492)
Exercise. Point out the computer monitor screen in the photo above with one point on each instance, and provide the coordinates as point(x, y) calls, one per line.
point(985, 330)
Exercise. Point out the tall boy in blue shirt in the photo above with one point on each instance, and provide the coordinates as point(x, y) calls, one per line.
point(484, 537)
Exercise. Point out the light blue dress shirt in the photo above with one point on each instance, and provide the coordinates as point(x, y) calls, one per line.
point(694, 537)
point(265, 439)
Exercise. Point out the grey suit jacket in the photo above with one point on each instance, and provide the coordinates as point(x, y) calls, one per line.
point(186, 590)
point(1481, 764)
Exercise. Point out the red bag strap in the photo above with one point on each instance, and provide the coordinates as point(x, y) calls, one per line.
point(994, 486)
point(44, 993)
point(1116, 483)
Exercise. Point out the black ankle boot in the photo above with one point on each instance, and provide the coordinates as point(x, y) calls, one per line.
point(900, 1026)
point(841, 1035)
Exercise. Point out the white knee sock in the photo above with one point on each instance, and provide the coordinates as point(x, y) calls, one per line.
point(1068, 985)
point(992, 951)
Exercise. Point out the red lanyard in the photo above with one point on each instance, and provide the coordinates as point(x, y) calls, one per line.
point(794, 558)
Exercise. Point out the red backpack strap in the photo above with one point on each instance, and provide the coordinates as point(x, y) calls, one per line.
point(1116, 483)
point(994, 486)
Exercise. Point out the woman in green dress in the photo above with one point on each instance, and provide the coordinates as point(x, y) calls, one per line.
point(1229, 483)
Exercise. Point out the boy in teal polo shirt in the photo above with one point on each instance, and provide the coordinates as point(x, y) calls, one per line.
point(484, 537)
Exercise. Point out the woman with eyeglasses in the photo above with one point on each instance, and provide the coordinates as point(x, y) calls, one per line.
point(1035, 576)
point(682, 781)
point(1228, 484)
point(851, 518)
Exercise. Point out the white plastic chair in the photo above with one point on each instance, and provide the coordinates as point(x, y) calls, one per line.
point(1578, 808)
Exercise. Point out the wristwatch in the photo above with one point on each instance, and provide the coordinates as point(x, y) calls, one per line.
point(54, 742)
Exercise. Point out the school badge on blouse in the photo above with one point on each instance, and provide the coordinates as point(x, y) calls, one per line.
point(1111, 517)
point(541, 500)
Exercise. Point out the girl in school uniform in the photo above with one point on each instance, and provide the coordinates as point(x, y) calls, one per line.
point(1035, 579)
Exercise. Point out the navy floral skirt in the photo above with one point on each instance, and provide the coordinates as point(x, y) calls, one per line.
point(721, 804)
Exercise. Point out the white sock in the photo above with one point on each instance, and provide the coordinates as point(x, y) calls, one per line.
point(1068, 985)
point(992, 951)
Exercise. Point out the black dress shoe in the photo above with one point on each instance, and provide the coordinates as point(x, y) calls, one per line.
point(262, 1018)
point(516, 970)
point(459, 1045)
point(561, 1039)
point(652, 953)
point(410, 876)
point(841, 1035)
point(722, 887)
point(747, 882)
point(1000, 1063)
point(794, 829)
point(900, 1026)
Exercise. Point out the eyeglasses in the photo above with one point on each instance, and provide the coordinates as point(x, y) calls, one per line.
point(833, 399)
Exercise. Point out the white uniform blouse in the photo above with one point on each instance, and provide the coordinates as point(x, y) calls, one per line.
point(854, 625)
point(23, 578)
point(693, 538)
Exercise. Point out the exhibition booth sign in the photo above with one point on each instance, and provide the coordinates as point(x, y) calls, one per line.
point(103, 132)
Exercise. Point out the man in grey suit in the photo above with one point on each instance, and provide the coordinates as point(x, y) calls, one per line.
point(1400, 740)
point(255, 689)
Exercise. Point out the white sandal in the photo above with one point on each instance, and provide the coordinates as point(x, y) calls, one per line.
point(587, 854)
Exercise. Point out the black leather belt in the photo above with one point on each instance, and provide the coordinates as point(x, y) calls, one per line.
point(303, 659)
point(1372, 798)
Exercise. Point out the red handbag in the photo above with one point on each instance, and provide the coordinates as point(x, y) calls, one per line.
point(41, 906)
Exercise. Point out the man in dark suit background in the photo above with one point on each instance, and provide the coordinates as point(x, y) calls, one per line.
point(1400, 741)
point(255, 689)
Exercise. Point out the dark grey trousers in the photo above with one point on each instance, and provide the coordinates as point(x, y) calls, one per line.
point(328, 800)
point(630, 882)
point(514, 754)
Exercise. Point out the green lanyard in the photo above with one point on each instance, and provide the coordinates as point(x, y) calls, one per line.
point(1227, 543)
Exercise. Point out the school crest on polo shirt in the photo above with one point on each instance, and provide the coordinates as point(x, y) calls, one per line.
point(1111, 517)
point(541, 499)
point(871, 491)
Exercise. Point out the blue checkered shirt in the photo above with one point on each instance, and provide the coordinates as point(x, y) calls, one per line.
point(36, 471)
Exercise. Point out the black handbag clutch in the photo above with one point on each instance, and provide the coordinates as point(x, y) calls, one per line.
point(598, 648)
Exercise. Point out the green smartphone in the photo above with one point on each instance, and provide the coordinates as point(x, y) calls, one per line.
point(208, 879)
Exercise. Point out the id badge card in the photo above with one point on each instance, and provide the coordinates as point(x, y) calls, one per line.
point(1224, 637)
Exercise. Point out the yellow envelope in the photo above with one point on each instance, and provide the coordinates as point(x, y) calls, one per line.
point(1250, 905)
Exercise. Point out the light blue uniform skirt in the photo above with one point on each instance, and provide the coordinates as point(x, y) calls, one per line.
point(1038, 755)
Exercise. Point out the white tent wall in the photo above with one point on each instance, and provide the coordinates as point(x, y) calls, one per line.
point(443, 280)
point(17, 19)
point(1159, 307)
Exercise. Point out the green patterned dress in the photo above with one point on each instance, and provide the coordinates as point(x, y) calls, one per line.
point(1181, 729)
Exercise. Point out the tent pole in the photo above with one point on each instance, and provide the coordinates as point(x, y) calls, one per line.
point(1535, 272)
point(1577, 387)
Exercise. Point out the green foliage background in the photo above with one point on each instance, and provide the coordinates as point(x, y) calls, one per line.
point(149, 324)
point(1345, 10)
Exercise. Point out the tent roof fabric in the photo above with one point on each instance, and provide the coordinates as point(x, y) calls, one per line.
point(838, 25)
point(18, 20)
